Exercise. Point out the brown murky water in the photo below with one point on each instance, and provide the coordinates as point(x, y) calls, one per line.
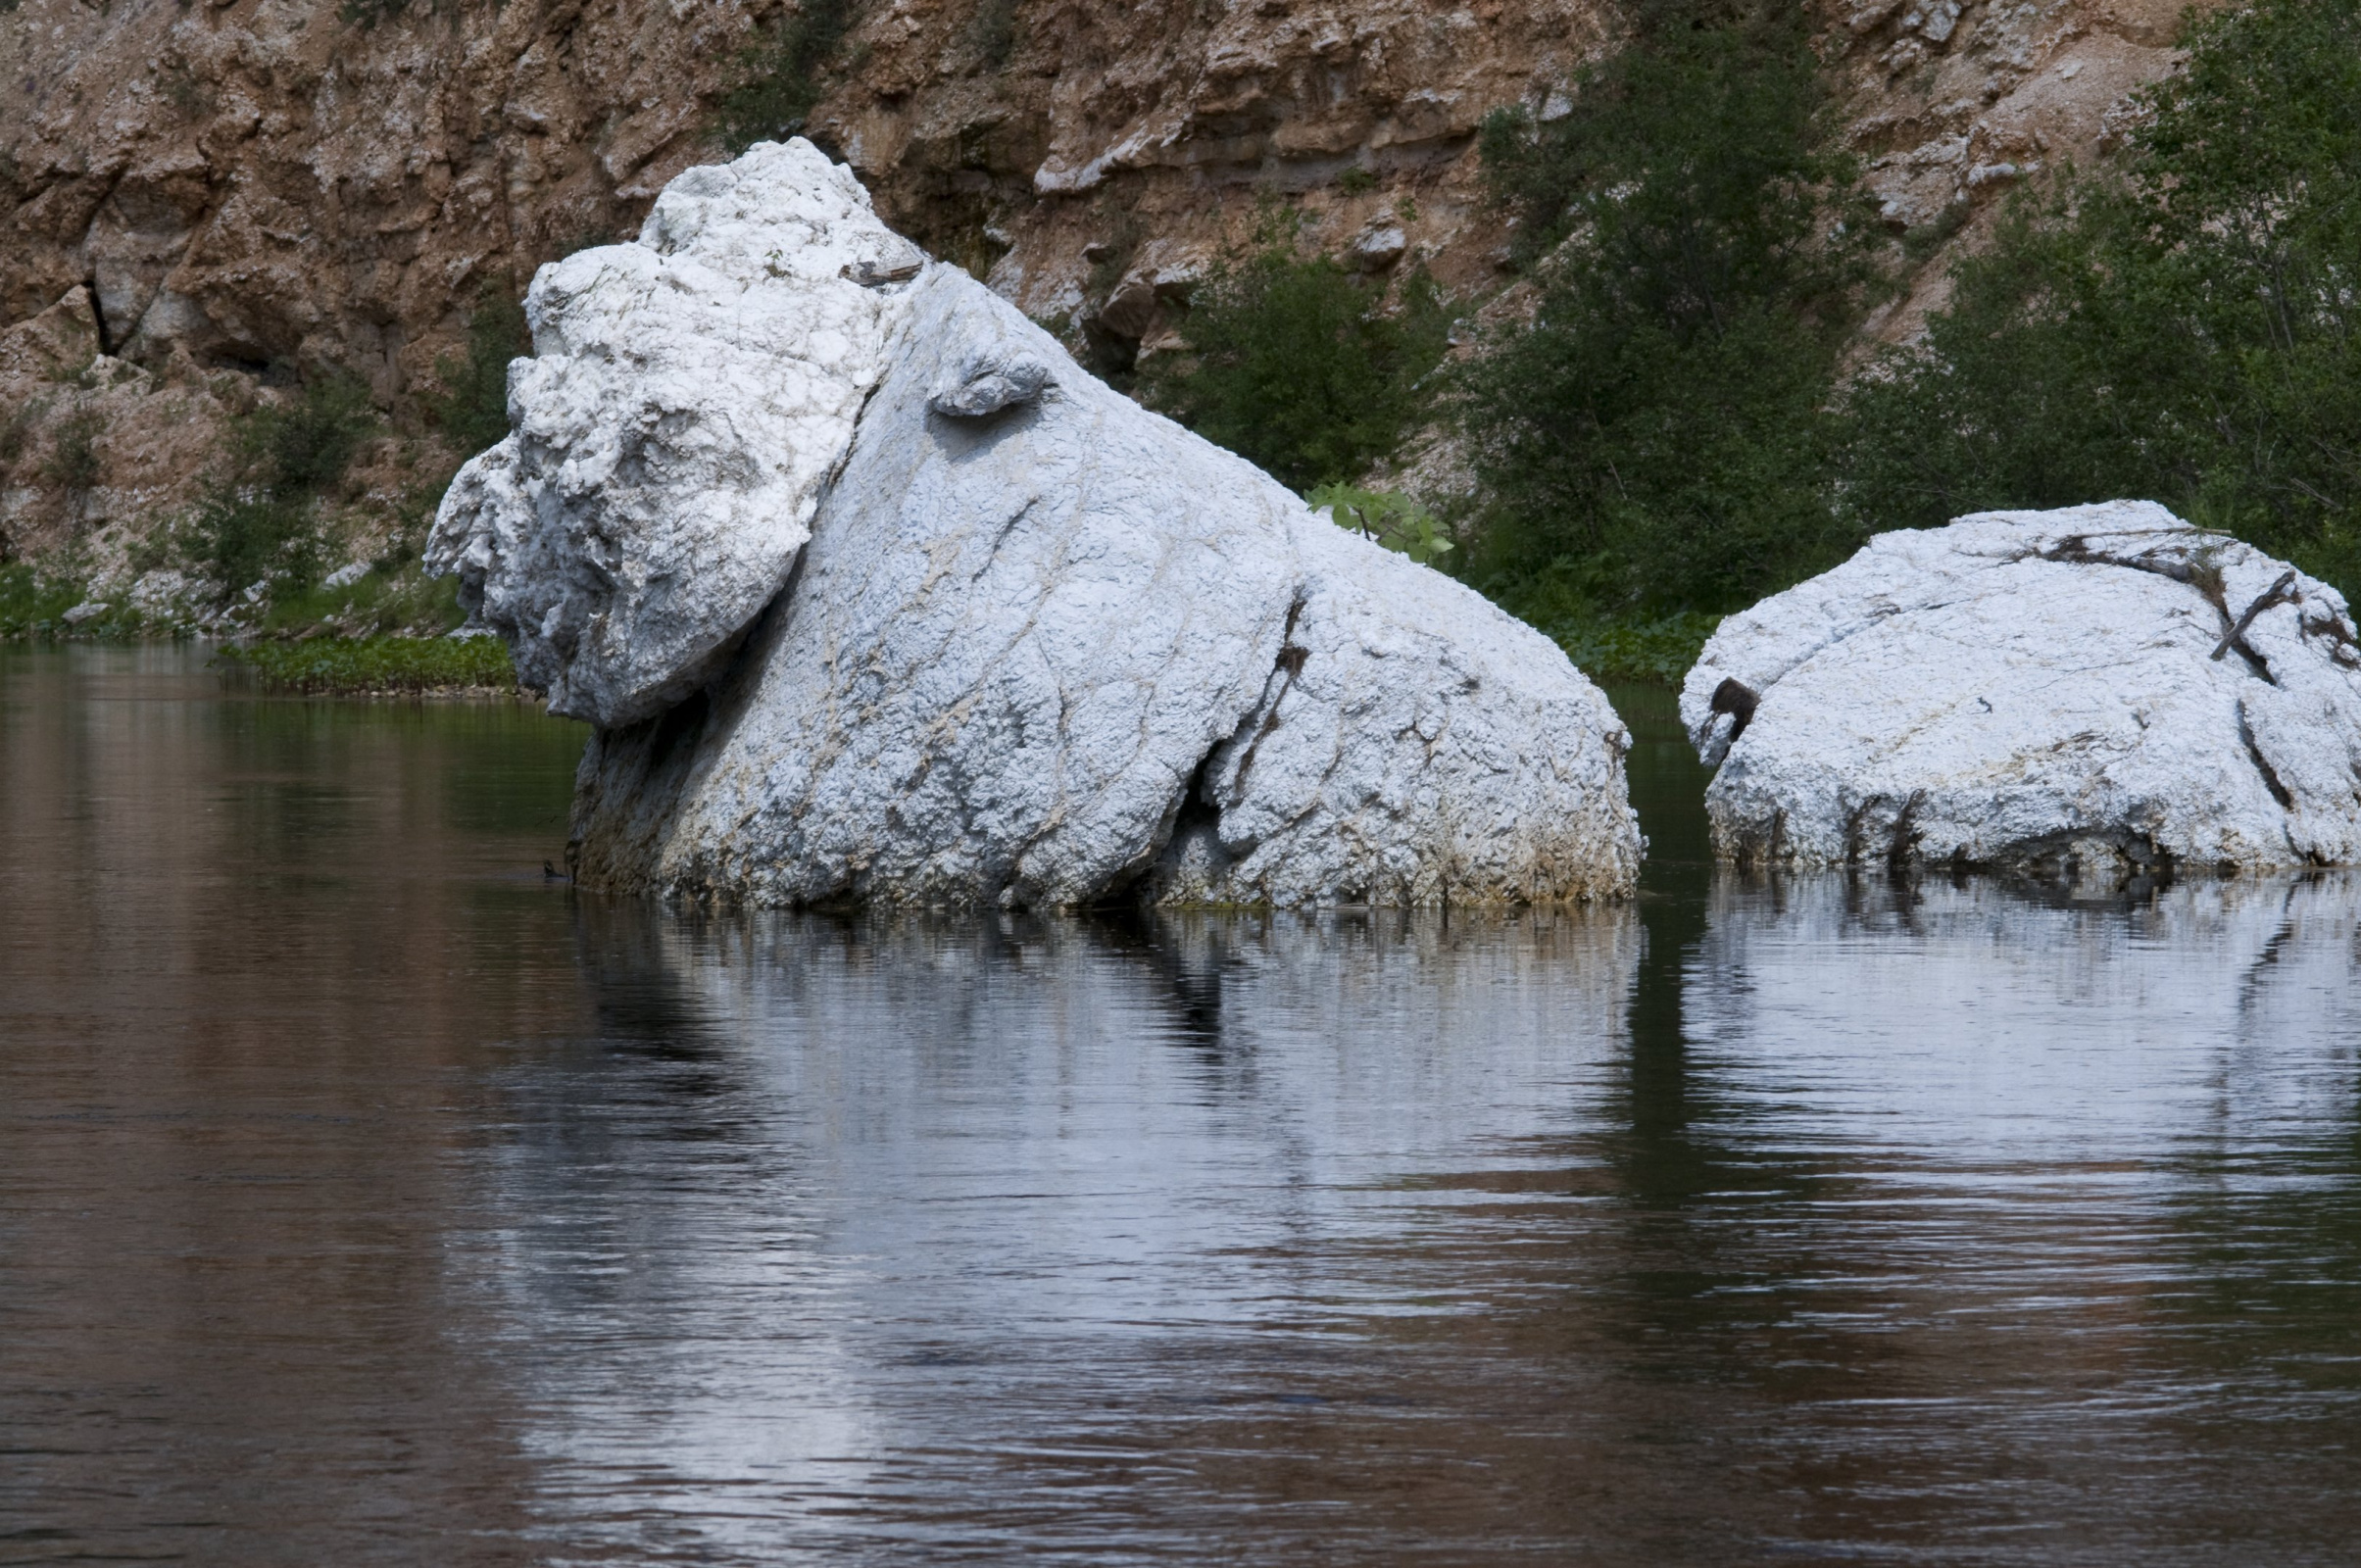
point(366, 1199)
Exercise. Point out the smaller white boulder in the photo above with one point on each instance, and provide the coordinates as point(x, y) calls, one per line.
point(2094, 690)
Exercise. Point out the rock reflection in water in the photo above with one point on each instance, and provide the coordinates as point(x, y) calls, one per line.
point(365, 1199)
point(928, 1230)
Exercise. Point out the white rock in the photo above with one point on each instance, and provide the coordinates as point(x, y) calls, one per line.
point(2037, 689)
point(162, 592)
point(346, 575)
point(1932, 20)
point(689, 396)
point(1046, 648)
point(1379, 248)
point(88, 609)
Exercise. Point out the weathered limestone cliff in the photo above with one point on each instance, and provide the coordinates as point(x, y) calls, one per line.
point(193, 194)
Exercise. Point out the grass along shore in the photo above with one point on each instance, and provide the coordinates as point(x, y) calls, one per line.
point(378, 667)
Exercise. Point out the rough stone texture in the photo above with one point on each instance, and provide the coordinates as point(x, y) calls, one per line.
point(266, 180)
point(1046, 648)
point(2038, 689)
point(687, 398)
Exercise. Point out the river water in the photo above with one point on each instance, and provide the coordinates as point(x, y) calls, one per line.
point(367, 1196)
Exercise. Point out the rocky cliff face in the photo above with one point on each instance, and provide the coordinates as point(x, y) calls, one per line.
point(199, 196)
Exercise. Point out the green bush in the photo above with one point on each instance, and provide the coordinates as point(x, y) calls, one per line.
point(259, 520)
point(1299, 367)
point(777, 80)
point(471, 404)
point(2186, 329)
point(16, 430)
point(73, 463)
point(1657, 436)
point(31, 604)
point(992, 33)
point(378, 665)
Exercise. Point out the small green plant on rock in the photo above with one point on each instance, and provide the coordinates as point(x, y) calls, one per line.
point(1387, 517)
point(16, 431)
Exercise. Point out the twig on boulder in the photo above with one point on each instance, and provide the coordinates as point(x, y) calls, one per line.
point(2236, 636)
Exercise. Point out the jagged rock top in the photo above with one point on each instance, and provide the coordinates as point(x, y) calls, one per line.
point(2032, 687)
point(688, 397)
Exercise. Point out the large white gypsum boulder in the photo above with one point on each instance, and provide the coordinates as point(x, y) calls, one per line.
point(2087, 692)
point(1040, 647)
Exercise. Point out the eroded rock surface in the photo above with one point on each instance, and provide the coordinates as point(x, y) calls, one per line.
point(688, 396)
point(1042, 647)
point(2085, 692)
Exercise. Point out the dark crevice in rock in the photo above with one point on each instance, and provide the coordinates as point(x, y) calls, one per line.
point(1289, 664)
point(2114, 860)
point(1903, 847)
point(1195, 816)
point(2262, 766)
point(98, 317)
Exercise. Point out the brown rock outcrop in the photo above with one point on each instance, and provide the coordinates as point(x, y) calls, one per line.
point(255, 182)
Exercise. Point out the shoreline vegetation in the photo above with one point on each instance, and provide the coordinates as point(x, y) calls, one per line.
point(378, 667)
point(1663, 416)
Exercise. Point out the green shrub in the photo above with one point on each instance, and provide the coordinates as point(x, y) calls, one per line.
point(238, 537)
point(32, 604)
point(1657, 436)
point(777, 80)
point(992, 33)
point(2187, 330)
point(1656, 648)
point(260, 519)
point(378, 665)
point(304, 445)
point(1297, 366)
point(16, 430)
point(73, 463)
point(471, 404)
